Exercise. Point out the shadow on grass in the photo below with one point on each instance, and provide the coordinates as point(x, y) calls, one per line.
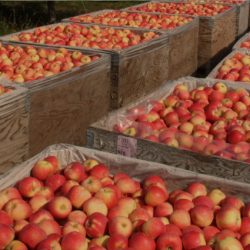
point(20, 15)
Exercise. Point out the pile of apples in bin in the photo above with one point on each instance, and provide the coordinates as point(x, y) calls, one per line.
point(211, 120)
point(142, 20)
point(235, 68)
point(193, 9)
point(85, 207)
point(92, 36)
point(25, 64)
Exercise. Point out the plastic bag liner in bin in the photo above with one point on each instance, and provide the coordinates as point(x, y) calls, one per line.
point(242, 12)
point(103, 136)
point(14, 125)
point(141, 68)
point(174, 177)
point(66, 103)
point(240, 41)
point(214, 72)
point(212, 44)
point(183, 60)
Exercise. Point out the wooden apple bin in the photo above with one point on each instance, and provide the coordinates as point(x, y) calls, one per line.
point(216, 34)
point(101, 136)
point(183, 60)
point(214, 72)
point(135, 71)
point(64, 105)
point(175, 178)
point(14, 127)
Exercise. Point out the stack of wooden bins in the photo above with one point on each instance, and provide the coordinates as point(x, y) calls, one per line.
point(62, 106)
point(174, 177)
point(182, 58)
point(102, 136)
point(136, 70)
point(216, 34)
point(14, 126)
point(242, 11)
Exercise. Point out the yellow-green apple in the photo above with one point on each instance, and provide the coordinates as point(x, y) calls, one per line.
point(228, 217)
point(120, 225)
point(116, 242)
point(95, 225)
point(18, 209)
point(220, 86)
point(6, 236)
point(29, 186)
point(60, 207)
point(74, 241)
point(77, 216)
point(78, 195)
point(31, 235)
point(55, 181)
point(75, 171)
point(185, 140)
point(16, 245)
point(169, 241)
point(186, 127)
point(228, 243)
point(72, 226)
point(153, 228)
point(216, 195)
point(127, 205)
point(95, 205)
point(40, 215)
point(180, 218)
point(202, 216)
point(89, 164)
point(193, 239)
point(140, 241)
point(42, 169)
point(50, 227)
point(100, 241)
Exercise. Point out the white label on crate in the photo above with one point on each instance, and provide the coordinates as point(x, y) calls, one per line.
point(126, 146)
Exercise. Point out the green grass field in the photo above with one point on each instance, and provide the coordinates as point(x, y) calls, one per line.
point(20, 15)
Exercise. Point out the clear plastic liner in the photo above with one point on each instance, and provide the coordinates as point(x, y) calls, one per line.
point(214, 72)
point(175, 178)
point(123, 119)
point(241, 40)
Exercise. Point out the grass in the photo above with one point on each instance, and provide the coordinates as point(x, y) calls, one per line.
point(19, 15)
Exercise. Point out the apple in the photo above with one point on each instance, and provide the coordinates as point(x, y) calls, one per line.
point(6, 236)
point(183, 204)
point(228, 217)
point(201, 216)
point(5, 218)
point(60, 207)
point(29, 186)
point(216, 195)
point(77, 216)
point(155, 195)
point(163, 210)
point(72, 226)
point(117, 242)
point(42, 170)
point(75, 171)
point(50, 227)
point(203, 201)
point(120, 225)
point(40, 215)
point(169, 241)
point(153, 228)
point(140, 241)
point(16, 245)
point(55, 182)
point(74, 241)
point(18, 209)
point(94, 205)
point(192, 240)
point(180, 218)
point(210, 232)
point(228, 241)
point(95, 225)
point(197, 189)
point(78, 195)
point(31, 235)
